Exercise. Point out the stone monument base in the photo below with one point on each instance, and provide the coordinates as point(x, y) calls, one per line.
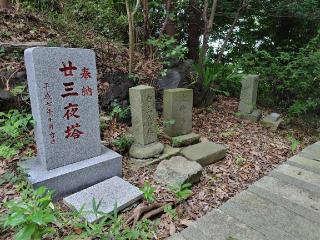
point(74, 177)
point(254, 116)
point(146, 151)
point(185, 140)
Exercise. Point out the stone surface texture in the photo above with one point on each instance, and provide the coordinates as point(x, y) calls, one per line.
point(254, 116)
point(177, 109)
point(177, 171)
point(272, 121)
point(205, 153)
point(146, 151)
point(49, 105)
point(109, 192)
point(185, 140)
point(284, 205)
point(74, 177)
point(248, 96)
point(143, 113)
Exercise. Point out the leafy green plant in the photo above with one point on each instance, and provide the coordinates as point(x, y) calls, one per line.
point(123, 143)
point(168, 209)
point(182, 192)
point(120, 113)
point(111, 226)
point(30, 217)
point(148, 192)
point(167, 48)
point(240, 161)
point(294, 143)
point(15, 130)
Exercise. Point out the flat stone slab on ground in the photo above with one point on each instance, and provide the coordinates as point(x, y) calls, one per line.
point(168, 152)
point(300, 174)
point(270, 219)
point(74, 177)
point(185, 140)
point(254, 116)
point(305, 163)
point(177, 171)
point(146, 151)
point(205, 153)
point(272, 121)
point(110, 192)
point(223, 226)
point(312, 151)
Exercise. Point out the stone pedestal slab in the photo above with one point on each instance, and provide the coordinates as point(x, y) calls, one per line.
point(74, 177)
point(111, 192)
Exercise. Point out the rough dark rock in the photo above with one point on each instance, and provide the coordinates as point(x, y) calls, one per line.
point(118, 89)
point(176, 76)
point(6, 100)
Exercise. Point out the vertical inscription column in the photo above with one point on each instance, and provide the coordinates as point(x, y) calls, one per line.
point(248, 96)
point(177, 111)
point(143, 114)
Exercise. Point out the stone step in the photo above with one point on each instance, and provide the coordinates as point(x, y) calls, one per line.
point(218, 225)
point(312, 151)
point(300, 174)
point(109, 192)
point(288, 195)
point(205, 153)
point(312, 214)
point(304, 163)
point(269, 218)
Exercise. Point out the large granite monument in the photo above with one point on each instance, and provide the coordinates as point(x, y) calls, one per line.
point(248, 98)
point(177, 113)
point(144, 126)
point(64, 100)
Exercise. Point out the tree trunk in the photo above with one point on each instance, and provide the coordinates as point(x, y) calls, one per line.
point(208, 24)
point(194, 32)
point(4, 4)
point(242, 6)
point(167, 18)
point(146, 26)
point(131, 36)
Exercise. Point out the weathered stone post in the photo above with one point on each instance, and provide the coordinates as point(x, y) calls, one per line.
point(143, 114)
point(177, 112)
point(248, 98)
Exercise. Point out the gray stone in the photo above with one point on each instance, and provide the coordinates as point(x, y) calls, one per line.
point(177, 111)
point(248, 96)
point(305, 163)
point(143, 112)
point(254, 116)
point(144, 130)
point(312, 151)
point(171, 80)
point(67, 126)
point(146, 151)
point(221, 226)
point(177, 171)
point(185, 140)
point(111, 192)
point(273, 220)
point(272, 121)
point(274, 116)
point(300, 174)
point(168, 152)
point(205, 153)
point(74, 177)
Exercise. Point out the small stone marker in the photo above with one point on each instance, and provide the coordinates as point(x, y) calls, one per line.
point(177, 171)
point(110, 192)
point(143, 114)
point(248, 98)
point(272, 121)
point(64, 100)
point(205, 153)
point(177, 112)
